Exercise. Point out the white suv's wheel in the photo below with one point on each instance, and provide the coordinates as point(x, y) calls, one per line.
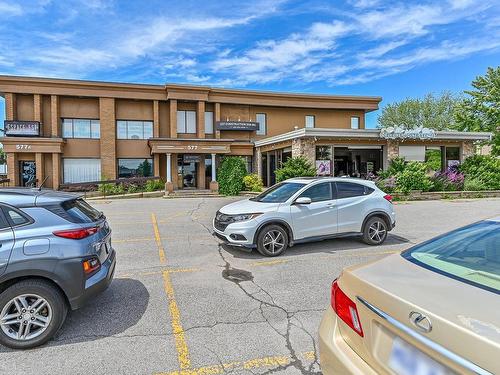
point(31, 312)
point(272, 240)
point(375, 231)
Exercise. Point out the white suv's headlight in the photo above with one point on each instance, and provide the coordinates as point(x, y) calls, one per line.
point(244, 217)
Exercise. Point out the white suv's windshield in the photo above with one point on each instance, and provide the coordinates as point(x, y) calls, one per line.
point(470, 254)
point(279, 193)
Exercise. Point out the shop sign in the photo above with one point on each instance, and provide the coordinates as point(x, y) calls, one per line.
point(191, 158)
point(21, 128)
point(237, 125)
point(399, 132)
point(323, 167)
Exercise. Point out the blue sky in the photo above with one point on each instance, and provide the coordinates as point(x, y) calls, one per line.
point(394, 49)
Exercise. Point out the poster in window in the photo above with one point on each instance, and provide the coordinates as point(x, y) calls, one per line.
point(28, 173)
point(323, 167)
point(369, 166)
point(453, 163)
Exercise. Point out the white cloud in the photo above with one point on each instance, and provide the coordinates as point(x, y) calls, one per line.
point(10, 9)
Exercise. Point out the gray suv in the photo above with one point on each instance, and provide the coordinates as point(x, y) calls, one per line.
point(55, 255)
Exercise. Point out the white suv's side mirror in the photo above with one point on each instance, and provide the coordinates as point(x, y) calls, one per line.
point(303, 200)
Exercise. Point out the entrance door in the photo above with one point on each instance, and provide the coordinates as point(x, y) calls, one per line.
point(188, 171)
point(28, 173)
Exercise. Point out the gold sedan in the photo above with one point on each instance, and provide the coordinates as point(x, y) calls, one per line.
point(432, 310)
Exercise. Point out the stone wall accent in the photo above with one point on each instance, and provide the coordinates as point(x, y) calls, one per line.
point(468, 149)
point(54, 116)
point(305, 147)
point(392, 149)
point(200, 119)
point(10, 106)
point(108, 138)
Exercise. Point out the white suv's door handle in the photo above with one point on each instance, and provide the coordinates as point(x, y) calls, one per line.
point(331, 205)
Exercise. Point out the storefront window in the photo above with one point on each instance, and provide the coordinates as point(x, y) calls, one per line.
point(81, 128)
point(135, 168)
point(433, 157)
point(324, 160)
point(134, 129)
point(81, 170)
point(452, 156)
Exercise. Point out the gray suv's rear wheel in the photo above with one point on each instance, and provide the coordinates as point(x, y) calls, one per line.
point(272, 240)
point(375, 231)
point(31, 312)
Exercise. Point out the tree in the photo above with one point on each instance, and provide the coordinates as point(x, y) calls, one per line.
point(295, 167)
point(3, 156)
point(480, 110)
point(434, 112)
point(230, 175)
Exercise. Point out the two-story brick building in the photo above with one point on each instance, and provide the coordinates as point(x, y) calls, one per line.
point(71, 131)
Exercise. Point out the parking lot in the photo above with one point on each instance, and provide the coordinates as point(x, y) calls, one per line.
point(182, 304)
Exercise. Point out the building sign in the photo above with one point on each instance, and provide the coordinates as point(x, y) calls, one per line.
point(398, 132)
point(191, 158)
point(237, 125)
point(22, 128)
point(323, 167)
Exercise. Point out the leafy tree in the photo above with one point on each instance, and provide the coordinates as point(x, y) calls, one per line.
point(3, 156)
point(230, 175)
point(434, 112)
point(480, 110)
point(295, 167)
point(144, 168)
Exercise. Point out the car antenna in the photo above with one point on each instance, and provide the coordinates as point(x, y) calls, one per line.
point(43, 182)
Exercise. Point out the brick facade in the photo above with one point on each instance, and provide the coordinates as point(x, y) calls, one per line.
point(10, 106)
point(108, 138)
point(468, 149)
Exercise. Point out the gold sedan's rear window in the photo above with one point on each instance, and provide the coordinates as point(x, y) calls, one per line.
point(470, 254)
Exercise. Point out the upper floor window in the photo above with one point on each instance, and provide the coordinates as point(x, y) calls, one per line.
point(354, 122)
point(261, 118)
point(209, 123)
point(134, 129)
point(309, 121)
point(81, 128)
point(186, 122)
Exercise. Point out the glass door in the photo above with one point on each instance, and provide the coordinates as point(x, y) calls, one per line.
point(188, 171)
point(28, 173)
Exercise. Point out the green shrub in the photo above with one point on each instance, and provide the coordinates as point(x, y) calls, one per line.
point(132, 188)
point(474, 184)
point(396, 166)
point(230, 175)
point(106, 189)
point(118, 189)
point(295, 167)
point(433, 160)
point(154, 185)
point(482, 168)
point(253, 182)
point(413, 177)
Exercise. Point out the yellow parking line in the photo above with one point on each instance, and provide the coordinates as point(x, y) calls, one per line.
point(269, 262)
point(161, 250)
point(175, 315)
point(264, 362)
point(169, 270)
point(133, 240)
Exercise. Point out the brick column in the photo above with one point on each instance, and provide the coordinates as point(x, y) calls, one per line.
point(392, 150)
point(200, 119)
point(173, 118)
point(467, 149)
point(10, 106)
point(258, 162)
point(13, 169)
point(37, 108)
point(201, 173)
point(305, 147)
point(54, 116)
point(40, 168)
point(108, 138)
point(217, 118)
point(56, 170)
point(156, 119)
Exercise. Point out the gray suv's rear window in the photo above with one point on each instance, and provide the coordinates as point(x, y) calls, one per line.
point(80, 211)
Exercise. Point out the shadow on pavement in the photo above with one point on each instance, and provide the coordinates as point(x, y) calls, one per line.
point(330, 246)
point(118, 308)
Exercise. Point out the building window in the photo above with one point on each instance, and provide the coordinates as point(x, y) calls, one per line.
point(262, 120)
point(134, 129)
point(186, 122)
point(81, 128)
point(354, 122)
point(309, 121)
point(209, 123)
point(135, 168)
point(81, 170)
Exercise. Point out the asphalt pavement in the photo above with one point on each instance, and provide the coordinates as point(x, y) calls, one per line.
point(183, 304)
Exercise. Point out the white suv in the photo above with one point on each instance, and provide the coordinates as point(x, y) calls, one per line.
point(306, 209)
